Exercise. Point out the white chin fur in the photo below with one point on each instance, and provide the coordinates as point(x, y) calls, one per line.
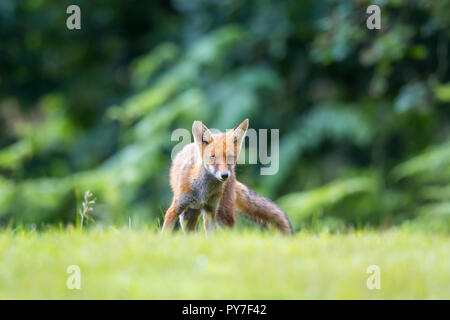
point(210, 169)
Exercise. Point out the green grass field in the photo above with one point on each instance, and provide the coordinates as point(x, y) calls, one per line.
point(238, 265)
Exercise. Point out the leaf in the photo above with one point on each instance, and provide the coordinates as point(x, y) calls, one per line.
point(300, 205)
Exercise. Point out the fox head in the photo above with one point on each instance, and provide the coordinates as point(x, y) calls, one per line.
point(219, 152)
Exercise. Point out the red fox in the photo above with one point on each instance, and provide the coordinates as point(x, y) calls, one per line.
point(203, 182)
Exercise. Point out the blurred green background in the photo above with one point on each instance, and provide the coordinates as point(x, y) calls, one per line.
point(363, 114)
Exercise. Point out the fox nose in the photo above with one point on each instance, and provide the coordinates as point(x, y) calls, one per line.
point(225, 175)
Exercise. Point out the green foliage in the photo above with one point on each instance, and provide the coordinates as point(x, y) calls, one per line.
point(442, 92)
point(94, 109)
point(303, 205)
point(428, 176)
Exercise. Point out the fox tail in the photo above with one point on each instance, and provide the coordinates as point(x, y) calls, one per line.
point(260, 209)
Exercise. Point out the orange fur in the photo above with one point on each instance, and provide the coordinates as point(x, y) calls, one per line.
point(203, 180)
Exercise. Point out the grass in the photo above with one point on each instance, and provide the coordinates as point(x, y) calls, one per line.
point(226, 265)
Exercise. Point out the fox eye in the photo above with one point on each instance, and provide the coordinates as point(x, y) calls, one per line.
point(230, 159)
point(213, 158)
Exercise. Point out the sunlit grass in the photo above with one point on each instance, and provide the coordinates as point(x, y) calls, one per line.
point(240, 265)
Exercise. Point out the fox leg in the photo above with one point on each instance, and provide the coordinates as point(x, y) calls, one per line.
point(225, 210)
point(209, 221)
point(191, 218)
point(225, 215)
point(172, 215)
point(181, 218)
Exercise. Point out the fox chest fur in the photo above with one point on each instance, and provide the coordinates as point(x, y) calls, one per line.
point(206, 192)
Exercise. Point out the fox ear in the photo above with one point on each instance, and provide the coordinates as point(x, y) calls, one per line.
point(201, 133)
point(240, 130)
